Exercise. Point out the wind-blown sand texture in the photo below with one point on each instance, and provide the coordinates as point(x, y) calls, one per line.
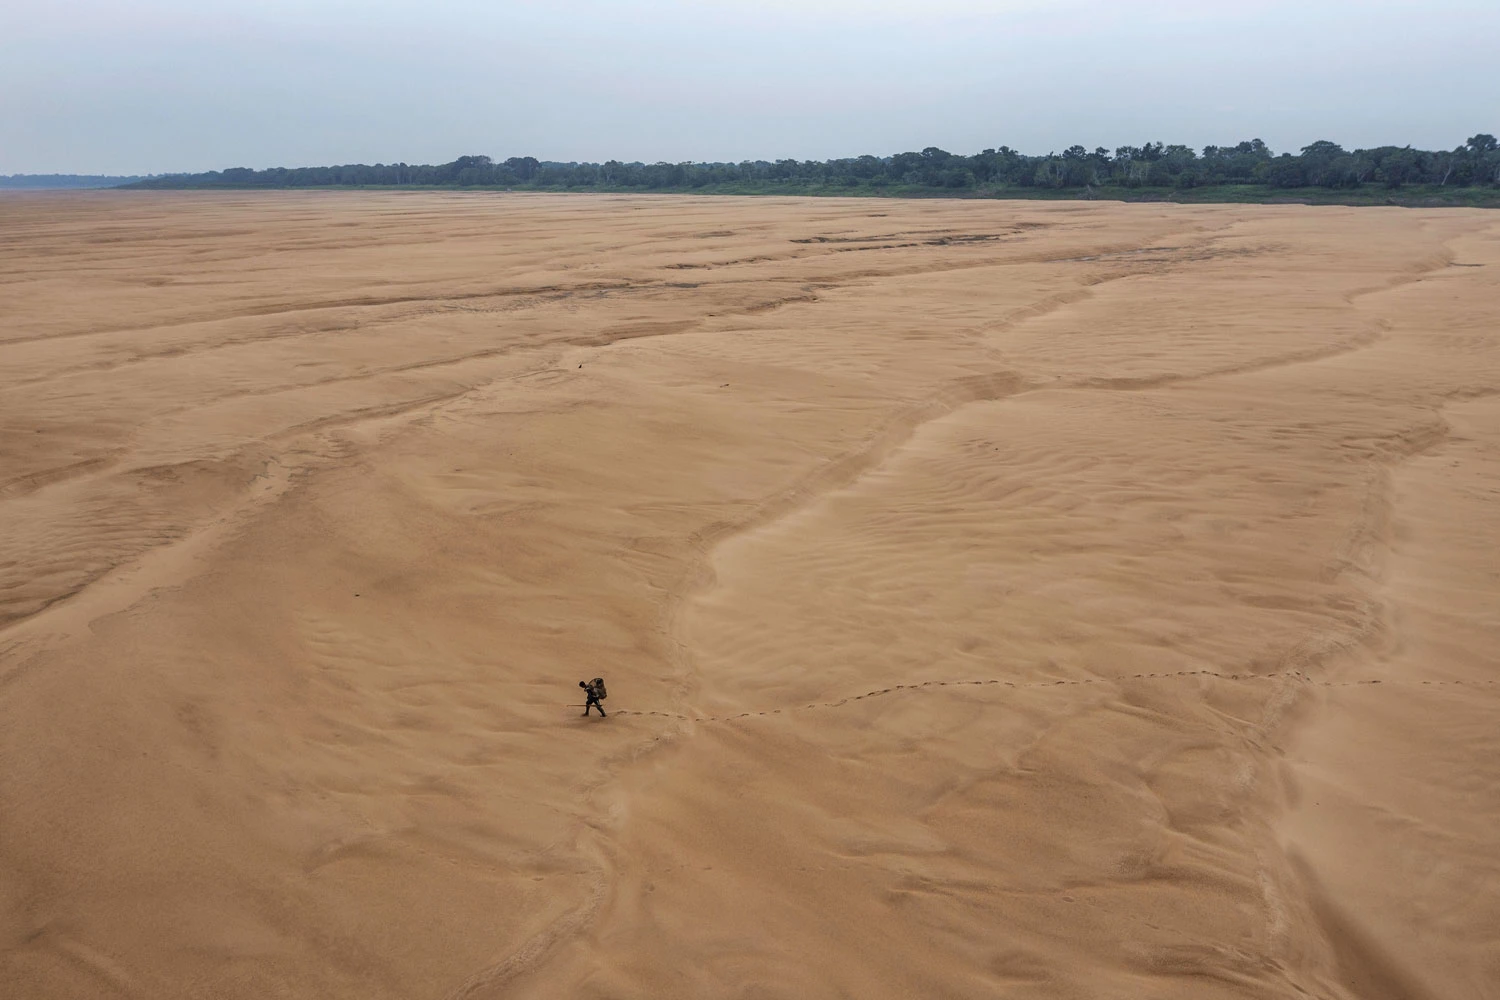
point(996, 599)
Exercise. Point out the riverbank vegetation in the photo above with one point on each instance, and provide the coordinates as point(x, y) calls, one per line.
point(1468, 174)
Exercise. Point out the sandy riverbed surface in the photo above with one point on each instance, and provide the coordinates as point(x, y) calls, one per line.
point(996, 599)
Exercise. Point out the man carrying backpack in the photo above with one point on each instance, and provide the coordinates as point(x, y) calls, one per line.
point(595, 693)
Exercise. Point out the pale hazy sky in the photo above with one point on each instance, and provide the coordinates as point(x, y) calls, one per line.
point(136, 86)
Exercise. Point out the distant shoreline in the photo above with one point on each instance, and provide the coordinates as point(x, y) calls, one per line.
point(1322, 173)
point(1375, 197)
point(1246, 173)
point(67, 182)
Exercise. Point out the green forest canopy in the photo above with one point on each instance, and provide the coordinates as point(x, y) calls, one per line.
point(1153, 166)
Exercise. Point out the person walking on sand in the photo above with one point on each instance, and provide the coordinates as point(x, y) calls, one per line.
point(594, 692)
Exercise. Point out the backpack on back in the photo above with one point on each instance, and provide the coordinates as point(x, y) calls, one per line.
point(598, 685)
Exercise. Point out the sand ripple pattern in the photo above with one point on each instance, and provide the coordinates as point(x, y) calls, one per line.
point(999, 598)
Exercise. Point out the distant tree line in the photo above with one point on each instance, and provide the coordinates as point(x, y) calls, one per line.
point(1322, 165)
